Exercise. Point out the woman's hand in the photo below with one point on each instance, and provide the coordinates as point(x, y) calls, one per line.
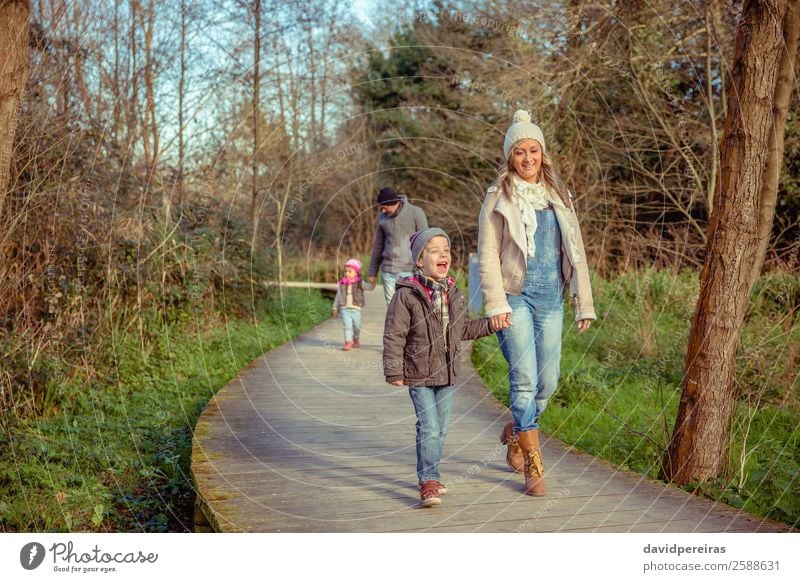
point(583, 325)
point(397, 383)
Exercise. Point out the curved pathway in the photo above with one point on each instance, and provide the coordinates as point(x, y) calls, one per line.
point(311, 439)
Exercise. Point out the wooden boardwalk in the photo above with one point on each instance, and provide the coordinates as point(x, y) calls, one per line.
point(311, 439)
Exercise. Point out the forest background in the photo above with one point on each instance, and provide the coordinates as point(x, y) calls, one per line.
point(170, 158)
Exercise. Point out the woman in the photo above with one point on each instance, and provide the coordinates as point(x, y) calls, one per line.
point(530, 248)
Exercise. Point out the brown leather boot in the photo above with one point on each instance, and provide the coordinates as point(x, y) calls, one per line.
point(513, 452)
point(533, 470)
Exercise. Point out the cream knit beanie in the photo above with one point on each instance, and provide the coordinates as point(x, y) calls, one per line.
point(522, 128)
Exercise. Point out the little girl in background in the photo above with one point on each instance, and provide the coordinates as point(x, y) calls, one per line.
point(349, 301)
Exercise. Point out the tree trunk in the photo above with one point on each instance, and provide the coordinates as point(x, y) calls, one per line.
point(13, 78)
point(256, 106)
point(294, 97)
point(698, 441)
point(78, 57)
point(772, 173)
point(281, 205)
point(133, 109)
point(312, 69)
point(150, 123)
point(117, 96)
point(712, 114)
point(279, 81)
point(181, 89)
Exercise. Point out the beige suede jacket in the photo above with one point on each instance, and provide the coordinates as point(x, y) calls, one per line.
point(503, 261)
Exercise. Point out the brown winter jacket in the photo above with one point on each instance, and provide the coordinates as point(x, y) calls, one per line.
point(413, 347)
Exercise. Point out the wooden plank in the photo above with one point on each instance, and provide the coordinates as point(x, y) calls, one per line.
point(309, 438)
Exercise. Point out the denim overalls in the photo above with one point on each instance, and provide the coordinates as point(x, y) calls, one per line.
point(532, 345)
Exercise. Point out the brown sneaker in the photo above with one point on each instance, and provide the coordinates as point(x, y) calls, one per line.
point(429, 493)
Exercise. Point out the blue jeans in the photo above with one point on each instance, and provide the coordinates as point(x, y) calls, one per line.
point(532, 348)
point(389, 281)
point(433, 407)
point(351, 320)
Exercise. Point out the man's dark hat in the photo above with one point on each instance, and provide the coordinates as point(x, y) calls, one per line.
point(388, 196)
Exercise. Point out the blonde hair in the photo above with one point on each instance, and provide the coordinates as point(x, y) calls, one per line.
point(547, 174)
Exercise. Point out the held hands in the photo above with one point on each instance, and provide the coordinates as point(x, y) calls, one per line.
point(397, 383)
point(501, 321)
point(372, 279)
point(583, 325)
point(335, 313)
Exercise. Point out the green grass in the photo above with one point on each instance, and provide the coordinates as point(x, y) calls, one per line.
point(114, 452)
point(620, 385)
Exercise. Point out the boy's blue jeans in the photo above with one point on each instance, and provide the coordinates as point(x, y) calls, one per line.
point(351, 320)
point(433, 407)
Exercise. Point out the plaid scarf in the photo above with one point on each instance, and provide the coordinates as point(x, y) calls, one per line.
point(438, 298)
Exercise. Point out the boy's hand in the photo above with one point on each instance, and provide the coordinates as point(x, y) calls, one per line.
point(335, 313)
point(397, 383)
point(583, 325)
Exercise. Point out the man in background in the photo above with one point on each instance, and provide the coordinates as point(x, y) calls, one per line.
point(391, 251)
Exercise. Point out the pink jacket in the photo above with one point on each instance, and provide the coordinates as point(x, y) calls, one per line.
point(503, 261)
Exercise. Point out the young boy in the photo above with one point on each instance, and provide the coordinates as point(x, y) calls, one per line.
point(425, 323)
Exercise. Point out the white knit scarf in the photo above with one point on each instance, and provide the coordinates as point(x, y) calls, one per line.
point(529, 198)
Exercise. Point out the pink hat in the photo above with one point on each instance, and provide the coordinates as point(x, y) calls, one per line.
point(355, 263)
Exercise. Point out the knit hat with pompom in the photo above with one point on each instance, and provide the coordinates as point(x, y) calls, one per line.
point(522, 128)
point(355, 263)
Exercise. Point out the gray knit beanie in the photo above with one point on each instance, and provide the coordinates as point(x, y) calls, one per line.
point(522, 128)
point(421, 238)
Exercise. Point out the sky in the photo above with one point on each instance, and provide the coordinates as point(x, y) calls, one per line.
point(362, 9)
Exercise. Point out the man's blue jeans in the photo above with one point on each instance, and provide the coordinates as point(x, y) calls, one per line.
point(389, 281)
point(351, 320)
point(532, 348)
point(433, 407)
